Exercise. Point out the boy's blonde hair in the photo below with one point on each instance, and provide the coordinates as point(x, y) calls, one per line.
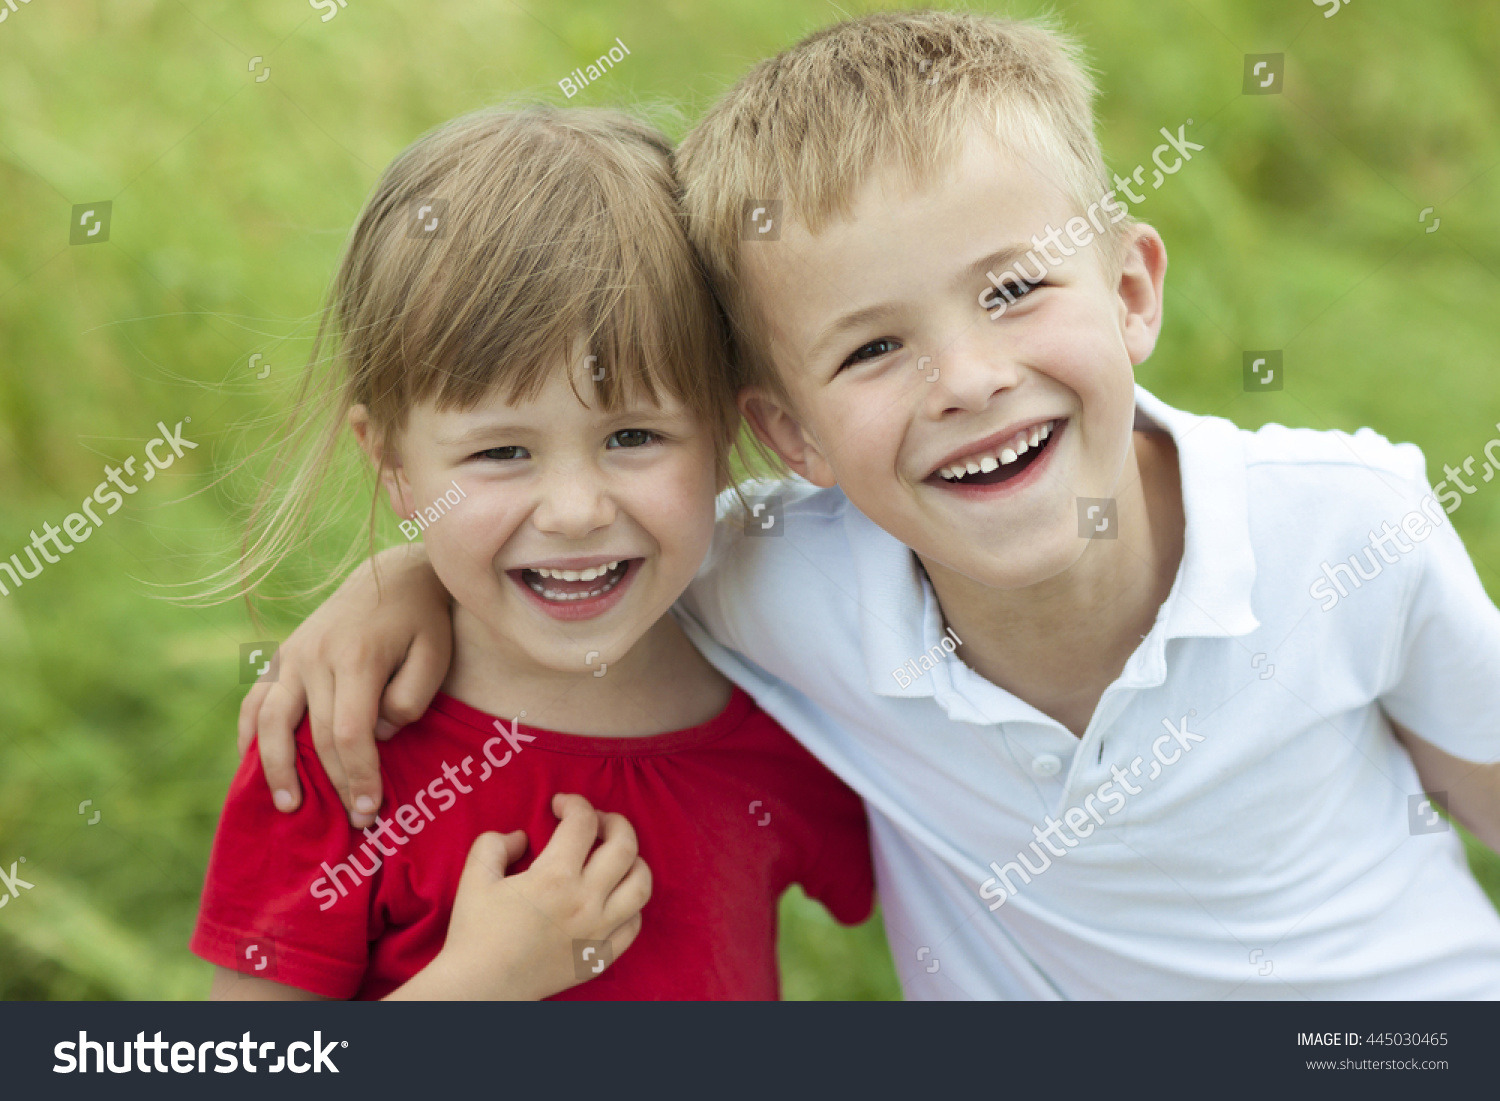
point(810, 126)
point(555, 234)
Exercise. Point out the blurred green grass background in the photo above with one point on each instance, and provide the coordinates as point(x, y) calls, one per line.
point(1296, 228)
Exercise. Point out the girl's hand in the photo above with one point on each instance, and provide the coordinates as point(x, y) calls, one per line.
point(365, 664)
point(512, 937)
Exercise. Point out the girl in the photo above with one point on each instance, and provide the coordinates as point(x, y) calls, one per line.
point(534, 367)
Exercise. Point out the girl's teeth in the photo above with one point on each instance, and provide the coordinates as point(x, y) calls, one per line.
point(1007, 456)
point(580, 575)
point(591, 574)
point(988, 464)
point(972, 467)
point(541, 589)
point(1036, 435)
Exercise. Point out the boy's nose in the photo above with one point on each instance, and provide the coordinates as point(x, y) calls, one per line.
point(966, 379)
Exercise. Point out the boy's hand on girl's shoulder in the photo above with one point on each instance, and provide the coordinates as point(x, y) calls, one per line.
point(514, 937)
point(365, 664)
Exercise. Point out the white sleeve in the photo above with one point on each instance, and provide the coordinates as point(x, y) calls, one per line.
point(1445, 684)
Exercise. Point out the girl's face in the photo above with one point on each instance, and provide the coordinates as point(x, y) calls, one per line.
point(575, 529)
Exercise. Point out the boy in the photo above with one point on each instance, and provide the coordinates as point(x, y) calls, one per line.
point(1059, 635)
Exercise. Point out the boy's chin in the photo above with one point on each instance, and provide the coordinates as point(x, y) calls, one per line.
point(1005, 564)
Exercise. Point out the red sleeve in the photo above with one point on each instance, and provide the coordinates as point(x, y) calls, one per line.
point(839, 873)
point(268, 908)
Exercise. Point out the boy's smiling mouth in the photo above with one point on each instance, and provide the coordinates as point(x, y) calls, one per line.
point(577, 590)
point(1000, 459)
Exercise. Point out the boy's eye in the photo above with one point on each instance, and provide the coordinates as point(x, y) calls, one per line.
point(884, 346)
point(631, 437)
point(1017, 289)
point(504, 454)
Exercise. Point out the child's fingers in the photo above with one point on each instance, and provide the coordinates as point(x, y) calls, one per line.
point(623, 937)
point(276, 727)
point(249, 712)
point(320, 720)
point(574, 836)
point(278, 759)
point(356, 699)
point(515, 846)
point(417, 680)
point(608, 863)
point(631, 895)
point(488, 858)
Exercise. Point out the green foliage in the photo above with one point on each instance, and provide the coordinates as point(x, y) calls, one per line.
point(1296, 228)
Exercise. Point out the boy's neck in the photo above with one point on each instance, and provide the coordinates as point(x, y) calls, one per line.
point(1059, 644)
point(662, 684)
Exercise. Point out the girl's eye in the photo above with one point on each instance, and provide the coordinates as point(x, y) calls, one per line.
point(504, 454)
point(884, 346)
point(1016, 289)
point(631, 437)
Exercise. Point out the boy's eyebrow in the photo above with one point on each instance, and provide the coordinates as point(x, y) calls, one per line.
point(855, 320)
point(1000, 258)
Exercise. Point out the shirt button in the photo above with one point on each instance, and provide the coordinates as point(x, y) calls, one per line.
point(1046, 764)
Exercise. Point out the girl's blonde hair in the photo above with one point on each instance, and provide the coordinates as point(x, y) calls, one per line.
point(490, 252)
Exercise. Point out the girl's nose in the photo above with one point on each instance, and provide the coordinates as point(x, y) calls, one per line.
point(574, 504)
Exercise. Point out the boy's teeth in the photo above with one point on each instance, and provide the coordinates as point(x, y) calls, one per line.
point(1013, 450)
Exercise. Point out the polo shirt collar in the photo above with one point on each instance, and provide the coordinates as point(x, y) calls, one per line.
point(1211, 597)
point(900, 618)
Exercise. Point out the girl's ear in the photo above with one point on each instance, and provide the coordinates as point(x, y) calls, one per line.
point(778, 428)
point(386, 460)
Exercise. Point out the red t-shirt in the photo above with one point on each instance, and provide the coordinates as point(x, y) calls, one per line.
point(728, 815)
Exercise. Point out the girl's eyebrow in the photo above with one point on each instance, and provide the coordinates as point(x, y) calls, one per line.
point(478, 432)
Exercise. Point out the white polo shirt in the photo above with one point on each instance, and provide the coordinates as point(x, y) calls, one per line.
point(1264, 842)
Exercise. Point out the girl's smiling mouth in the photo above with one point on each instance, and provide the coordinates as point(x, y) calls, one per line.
point(577, 590)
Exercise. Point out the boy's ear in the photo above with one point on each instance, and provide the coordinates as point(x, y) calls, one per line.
point(1142, 276)
point(778, 428)
point(386, 460)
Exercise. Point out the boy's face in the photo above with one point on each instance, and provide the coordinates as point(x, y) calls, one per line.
point(576, 528)
point(897, 374)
